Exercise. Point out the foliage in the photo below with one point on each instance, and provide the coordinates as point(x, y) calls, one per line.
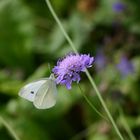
point(30, 41)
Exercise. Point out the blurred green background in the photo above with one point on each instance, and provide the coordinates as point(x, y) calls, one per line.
point(30, 39)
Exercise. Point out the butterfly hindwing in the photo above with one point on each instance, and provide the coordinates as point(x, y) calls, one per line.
point(46, 95)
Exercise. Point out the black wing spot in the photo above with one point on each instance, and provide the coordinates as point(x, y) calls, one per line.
point(32, 92)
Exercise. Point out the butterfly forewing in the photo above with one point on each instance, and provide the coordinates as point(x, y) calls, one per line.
point(46, 95)
point(29, 91)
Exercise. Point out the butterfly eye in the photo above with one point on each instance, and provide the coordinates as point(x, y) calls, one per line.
point(32, 92)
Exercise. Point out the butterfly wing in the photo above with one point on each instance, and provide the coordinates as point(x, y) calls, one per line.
point(46, 95)
point(29, 91)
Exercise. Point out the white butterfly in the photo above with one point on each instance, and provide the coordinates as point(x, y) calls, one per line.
point(42, 93)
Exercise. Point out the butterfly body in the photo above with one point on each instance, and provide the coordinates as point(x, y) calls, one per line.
point(42, 93)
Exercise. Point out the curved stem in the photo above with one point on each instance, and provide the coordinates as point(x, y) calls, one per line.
point(125, 124)
point(91, 105)
point(104, 105)
point(87, 73)
point(12, 132)
point(61, 26)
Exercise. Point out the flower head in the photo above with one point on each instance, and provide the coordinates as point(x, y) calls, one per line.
point(69, 68)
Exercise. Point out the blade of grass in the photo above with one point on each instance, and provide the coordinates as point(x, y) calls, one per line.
point(87, 73)
point(125, 124)
point(9, 128)
point(91, 105)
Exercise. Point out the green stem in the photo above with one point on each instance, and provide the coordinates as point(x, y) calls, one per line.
point(125, 124)
point(61, 26)
point(91, 105)
point(104, 105)
point(87, 73)
point(12, 132)
point(127, 128)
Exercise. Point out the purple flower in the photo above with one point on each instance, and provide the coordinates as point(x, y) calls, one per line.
point(69, 68)
point(125, 66)
point(119, 7)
